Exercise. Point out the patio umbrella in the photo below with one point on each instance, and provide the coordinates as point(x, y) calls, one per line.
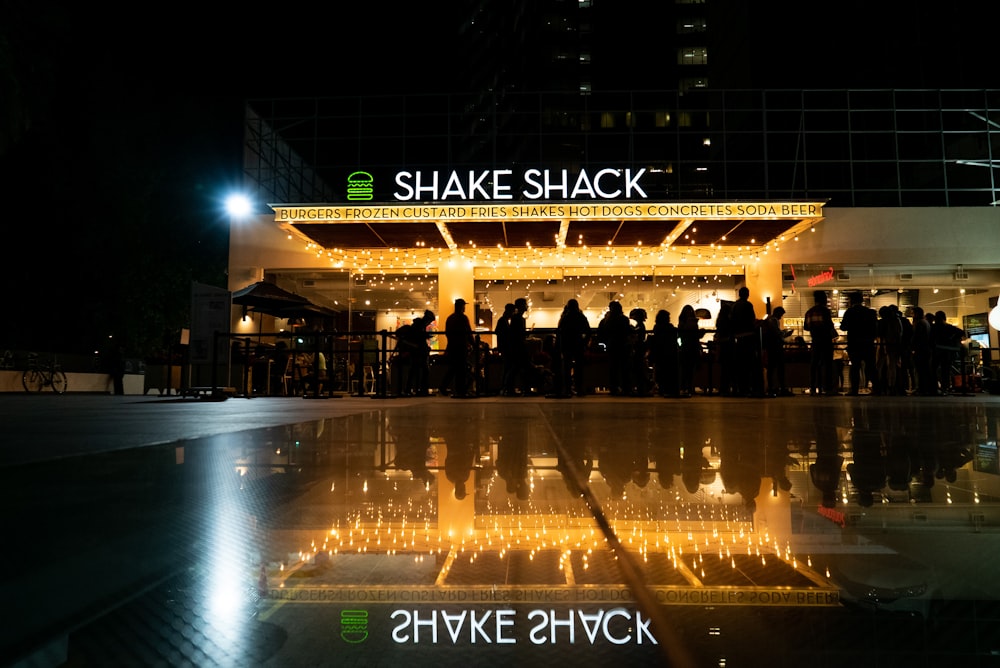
point(270, 299)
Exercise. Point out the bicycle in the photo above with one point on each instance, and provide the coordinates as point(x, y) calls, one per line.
point(40, 375)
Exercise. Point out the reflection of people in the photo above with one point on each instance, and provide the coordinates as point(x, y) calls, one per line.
point(575, 463)
point(460, 459)
point(741, 472)
point(825, 471)
point(512, 466)
point(412, 445)
point(867, 471)
point(460, 440)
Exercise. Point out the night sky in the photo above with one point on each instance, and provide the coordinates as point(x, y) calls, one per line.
point(122, 135)
point(121, 130)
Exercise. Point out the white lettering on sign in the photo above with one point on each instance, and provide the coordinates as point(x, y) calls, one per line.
point(533, 210)
point(617, 626)
point(537, 184)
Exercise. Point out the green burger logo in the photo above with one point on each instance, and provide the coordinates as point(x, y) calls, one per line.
point(359, 186)
point(354, 626)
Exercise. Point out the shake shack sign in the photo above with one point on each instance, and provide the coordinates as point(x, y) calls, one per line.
point(508, 184)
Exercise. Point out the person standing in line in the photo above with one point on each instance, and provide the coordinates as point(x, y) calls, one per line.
point(946, 345)
point(722, 341)
point(615, 332)
point(640, 365)
point(747, 345)
point(887, 356)
point(906, 378)
point(502, 331)
point(861, 325)
point(774, 348)
point(665, 353)
point(516, 368)
point(420, 354)
point(458, 331)
point(922, 353)
point(818, 322)
point(572, 335)
point(690, 352)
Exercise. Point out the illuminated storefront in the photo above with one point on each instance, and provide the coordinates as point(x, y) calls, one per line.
point(384, 262)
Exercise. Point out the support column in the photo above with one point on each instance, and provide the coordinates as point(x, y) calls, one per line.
point(763, 278)
point(456, 279)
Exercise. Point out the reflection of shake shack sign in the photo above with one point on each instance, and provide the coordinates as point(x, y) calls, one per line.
point(504, 184)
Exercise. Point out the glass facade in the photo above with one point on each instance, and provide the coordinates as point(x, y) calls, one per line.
point(853, 148)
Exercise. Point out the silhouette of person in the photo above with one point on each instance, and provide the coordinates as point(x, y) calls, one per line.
point(946, 343)
point(889, 335)
point(572, 336)
point(861, 325)
point(419, 381)
point(640, 364)
point(724, 349)
point(867, 471)
point(690, 351)
point(746, 344)
point(951, 458)
point(818, 321)
point(116, 369)
point(615, 332)
point(774, 347)
point(458, 331)
point(412, 443)
point(897, 464)
point(696, 470)
point(664, 351)
point(922, 353)
point(402, 361)
point(664, 450)
point(906, 379)
point(616, 467)
point(460, 459)
point(512, 462)
point(575, 462)
point(517, 375)
point(777, 460)
point(741, 472)
point(825, 471)
point(502, 331)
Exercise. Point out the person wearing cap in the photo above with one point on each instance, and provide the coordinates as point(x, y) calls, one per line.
point(458, 332)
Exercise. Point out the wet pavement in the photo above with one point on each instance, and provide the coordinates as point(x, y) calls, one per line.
point(354, 531)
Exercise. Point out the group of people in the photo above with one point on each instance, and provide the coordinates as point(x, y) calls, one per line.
point(888, 352)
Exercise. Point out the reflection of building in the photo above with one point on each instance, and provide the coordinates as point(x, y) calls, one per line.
point(372, 515)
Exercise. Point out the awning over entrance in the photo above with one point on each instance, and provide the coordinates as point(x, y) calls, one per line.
point(572, 232)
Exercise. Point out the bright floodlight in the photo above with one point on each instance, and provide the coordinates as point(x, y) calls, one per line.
point(238, 205)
